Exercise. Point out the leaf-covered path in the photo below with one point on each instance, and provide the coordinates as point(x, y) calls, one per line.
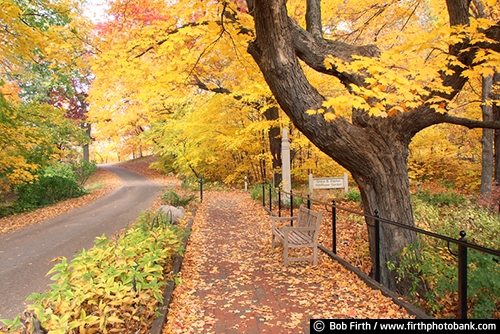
point(234, 282)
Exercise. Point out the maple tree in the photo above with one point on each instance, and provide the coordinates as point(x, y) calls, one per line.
point(169, 80)
point(391, 93)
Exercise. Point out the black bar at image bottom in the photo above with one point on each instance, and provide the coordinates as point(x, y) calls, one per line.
point(416, 325)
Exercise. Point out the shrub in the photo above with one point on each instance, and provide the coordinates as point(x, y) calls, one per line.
point(83, 170)
point(172, 198)
point(191, 184)
point(353, 195)
point(431, 268)
point(55, 183)
point(447, 198)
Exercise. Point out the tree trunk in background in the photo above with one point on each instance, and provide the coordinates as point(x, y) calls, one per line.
point(86, 149)
point(487, 140)
point(272, 114)
point(496, 117)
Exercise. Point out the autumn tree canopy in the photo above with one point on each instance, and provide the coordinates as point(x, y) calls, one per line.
point(42, 51)
point(361, 80)
point(178, 80)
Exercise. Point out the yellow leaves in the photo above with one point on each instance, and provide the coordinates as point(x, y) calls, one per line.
point(404, 75)
point(213, 26)
point(114, 319)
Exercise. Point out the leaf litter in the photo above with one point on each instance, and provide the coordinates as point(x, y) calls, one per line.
point(231, 278)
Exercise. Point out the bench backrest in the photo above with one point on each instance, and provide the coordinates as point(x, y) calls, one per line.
point(307, 217)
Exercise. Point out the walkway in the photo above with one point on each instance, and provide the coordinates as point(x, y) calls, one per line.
point(233, 282)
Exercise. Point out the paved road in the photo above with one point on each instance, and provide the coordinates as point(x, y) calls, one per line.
point(25, 255)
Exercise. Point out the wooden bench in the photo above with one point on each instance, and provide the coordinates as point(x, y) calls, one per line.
point(301, 232)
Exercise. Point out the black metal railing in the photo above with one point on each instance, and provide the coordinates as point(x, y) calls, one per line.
point(462, 243)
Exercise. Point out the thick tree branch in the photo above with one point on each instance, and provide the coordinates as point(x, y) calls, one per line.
point(313, 51)
point(470, 123)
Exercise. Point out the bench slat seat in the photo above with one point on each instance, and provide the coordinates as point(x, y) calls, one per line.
point(303, 235)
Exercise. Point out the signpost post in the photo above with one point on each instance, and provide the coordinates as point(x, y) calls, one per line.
point(285, 162)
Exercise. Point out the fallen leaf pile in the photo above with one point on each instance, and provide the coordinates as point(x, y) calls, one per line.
point(232, 279)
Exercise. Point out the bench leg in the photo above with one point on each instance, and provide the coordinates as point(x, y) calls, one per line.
point(285, 253)
point(315, 255)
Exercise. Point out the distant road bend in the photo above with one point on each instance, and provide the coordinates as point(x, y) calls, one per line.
point(26, 254)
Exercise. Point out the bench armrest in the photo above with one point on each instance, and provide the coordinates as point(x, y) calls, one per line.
point(276, 220)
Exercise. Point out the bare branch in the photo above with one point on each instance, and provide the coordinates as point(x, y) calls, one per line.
point(470, 123)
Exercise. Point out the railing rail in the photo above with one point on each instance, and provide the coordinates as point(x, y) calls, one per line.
point(462, 243)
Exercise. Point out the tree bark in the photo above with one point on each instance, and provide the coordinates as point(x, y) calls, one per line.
point(496, 117)
point(487, 140)
point(86, 147)
point(272, 114)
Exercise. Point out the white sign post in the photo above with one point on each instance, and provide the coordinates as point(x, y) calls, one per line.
point(285, 162)
point(327, 183)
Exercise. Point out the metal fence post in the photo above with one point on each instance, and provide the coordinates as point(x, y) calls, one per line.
point(377, 247)
point(291, 204)
point(279, 202)
point(270, 198)
point(462, 278)
point(309, 201)
point(334, 227)
point(201, 190)
point(263, 194)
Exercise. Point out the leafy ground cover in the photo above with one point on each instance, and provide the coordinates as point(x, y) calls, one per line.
point(232, 280)
point(116, 286)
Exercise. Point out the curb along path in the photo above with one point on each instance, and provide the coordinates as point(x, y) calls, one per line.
point(232, 281)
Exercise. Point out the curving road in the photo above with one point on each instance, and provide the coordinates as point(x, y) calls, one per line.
point(26, 254)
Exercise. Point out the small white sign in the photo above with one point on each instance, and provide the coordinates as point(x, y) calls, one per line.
point(328, 183)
